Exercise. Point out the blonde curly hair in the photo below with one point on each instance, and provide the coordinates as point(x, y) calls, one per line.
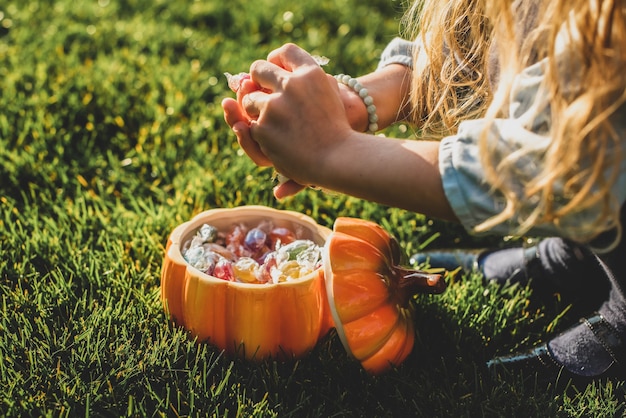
point(462, 41)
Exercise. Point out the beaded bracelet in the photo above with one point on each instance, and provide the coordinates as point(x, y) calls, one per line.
point(367, 99)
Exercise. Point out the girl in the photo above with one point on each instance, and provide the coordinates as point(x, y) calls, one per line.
point(525, 104)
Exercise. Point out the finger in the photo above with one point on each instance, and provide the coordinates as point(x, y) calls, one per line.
point(253, 102)
point(233, 112)
point(243, 133)
point(236, 119)
point(290, 57)
point(280, 62)
point(270, 73)
point(286, 189)
point(267, 75)
point(246, 87)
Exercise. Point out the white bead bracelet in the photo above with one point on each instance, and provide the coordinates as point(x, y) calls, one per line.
point(367, 100)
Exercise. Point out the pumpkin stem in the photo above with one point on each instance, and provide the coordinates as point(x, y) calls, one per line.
point(410, 282)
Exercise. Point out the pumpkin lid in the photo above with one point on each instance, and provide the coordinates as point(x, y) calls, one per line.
point(369, 293)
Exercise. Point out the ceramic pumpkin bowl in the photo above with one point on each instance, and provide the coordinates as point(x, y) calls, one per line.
point(275, 320)
point(361, 291)
point(369, 293)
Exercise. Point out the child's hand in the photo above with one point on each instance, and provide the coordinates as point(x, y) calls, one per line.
point(244, 86)
point(239, 122)
point(297, 117)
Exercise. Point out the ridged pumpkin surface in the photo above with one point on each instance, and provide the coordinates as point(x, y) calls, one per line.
point(368, 295)
point(260, 321)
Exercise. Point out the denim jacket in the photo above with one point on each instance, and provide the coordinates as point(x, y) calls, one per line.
point(522, 135)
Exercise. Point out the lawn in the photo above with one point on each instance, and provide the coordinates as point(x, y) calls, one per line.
point(111, 135)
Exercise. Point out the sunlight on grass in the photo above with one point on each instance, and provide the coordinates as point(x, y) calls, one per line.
point(111, 134)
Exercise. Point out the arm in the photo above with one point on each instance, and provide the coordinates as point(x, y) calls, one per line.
point(388, 86)
point(399, 173)
point(302, 129)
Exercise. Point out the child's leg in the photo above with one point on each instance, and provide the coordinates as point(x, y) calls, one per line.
point(554, 265)
point(594, 347)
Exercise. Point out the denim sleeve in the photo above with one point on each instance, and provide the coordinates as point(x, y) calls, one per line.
point(398, 51)
point(464, 179)
point(522, 136)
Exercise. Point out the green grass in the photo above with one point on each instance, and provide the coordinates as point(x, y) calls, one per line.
point(111, 134)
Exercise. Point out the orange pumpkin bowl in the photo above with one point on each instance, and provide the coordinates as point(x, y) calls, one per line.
point(260, 321)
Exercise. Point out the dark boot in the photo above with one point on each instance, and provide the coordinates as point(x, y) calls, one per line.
point(554, 265)
point(596, 346)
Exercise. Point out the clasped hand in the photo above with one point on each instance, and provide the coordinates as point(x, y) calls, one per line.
point(290, 115)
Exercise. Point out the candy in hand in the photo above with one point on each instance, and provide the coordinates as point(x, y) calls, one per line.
point(234, 81)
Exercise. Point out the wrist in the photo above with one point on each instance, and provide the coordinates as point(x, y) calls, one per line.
point(331, 163)
point(355, 108)
point(359, 104)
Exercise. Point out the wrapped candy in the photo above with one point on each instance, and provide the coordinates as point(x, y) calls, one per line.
point(261, 254)
point(224, 270)
point(255, 239)
point(246, 270)
point(235, 80)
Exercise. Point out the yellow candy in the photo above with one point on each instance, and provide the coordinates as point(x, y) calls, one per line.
point(289, 270)
point(246, 270)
